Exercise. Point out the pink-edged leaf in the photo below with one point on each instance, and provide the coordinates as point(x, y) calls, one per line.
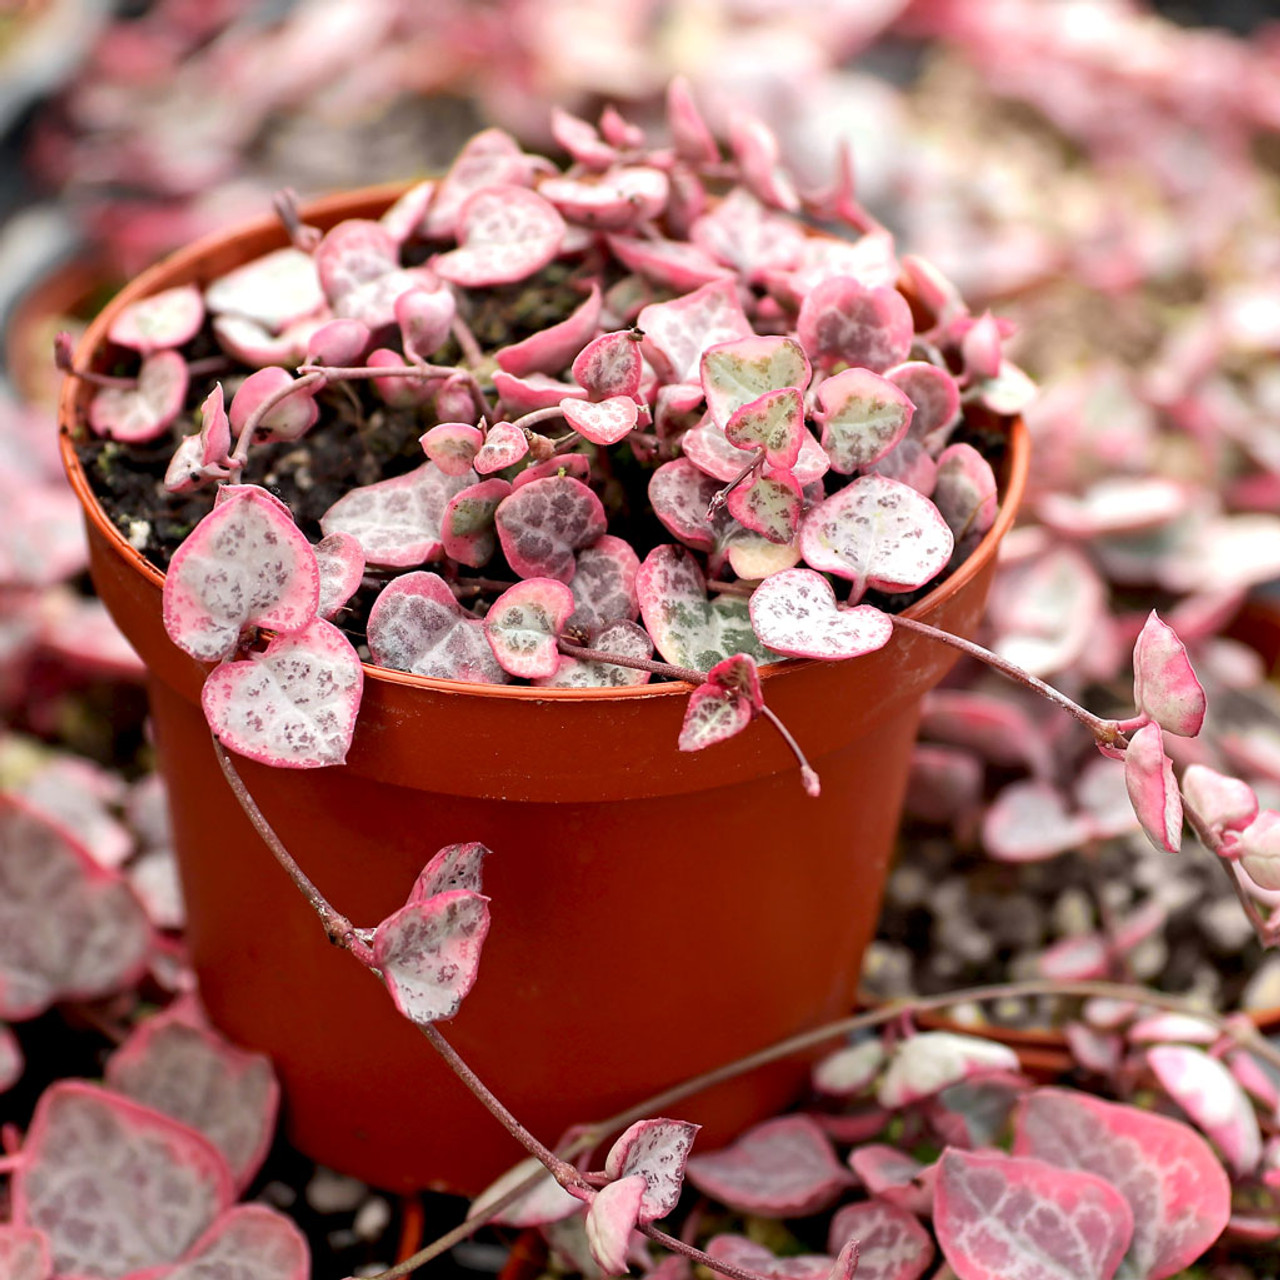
point(847, 1261)
point(504, 445)
point(756, 242)
point(657, 1150)
point(215, 429)
point(734, 374)
point(680, 494)
point(551, 350)
point(1164, 685)
point(536, 391)
point(965, 492)
point(397, 521)
point(1153, 790)
point(249, 1242)
point(576, 466)
point(291, 419)
point(401, 392)
point(543, 523)
point(138, 414)
point(354, 255)
point(467, 531)
point(892, 1245)
point(980, 348)
point(880, 1167)
point(759, 1260)
point(69, 928)
point(611, 201)
point(24, 1254)
point(452, 446)
point(774, 423)
point(490, 158)
point(293, 705)
point(546, 1201)
point(910, 462)
point(1225, 803)
point(693, 139)
point(340, 561)
point(849, 1071)
point(755, 147)
point(1256, 1080)
point(924, 1064)
point(1259, 849)
point(1178, 1191)
point(611, 1220)
point(624, 638)
point(417, 625)
point(505, 233)
point(604, 584)
point(783, 1168)
point(794, 612)
point(186, 469)
point(713, 715)
point(1011, 391)
point(456, 866)
point(710, 450)
point(679, 331)
point(425, 317)
point(610, 365)
point(115, 1186)
point(739, 675)
point(12, 1065)
point(686, 628)
point(1004, 1217)
point(524, 624)
point(1075, 959)
point(771, 505)
point(429, 953)
point(670, 264)
point(167, 319)
point(248, 342)
point(581, 140)
point(245, 564)
point(179, 1067)
point(604, 423)
point(404, 219)
point(863, 416)
point(754, 557)
point(877, 533)
point(1209, 1094)
point(1116, 505)
point(1096, 1051)
point(273, 291)
point(1029, 821)
point(843, 322)
point(934, 393)
point(80, 797)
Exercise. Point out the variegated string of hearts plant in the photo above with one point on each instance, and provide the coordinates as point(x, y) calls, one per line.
point(709, 336)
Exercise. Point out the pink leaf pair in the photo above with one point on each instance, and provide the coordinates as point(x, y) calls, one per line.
point(723, 705)
point(795, 612)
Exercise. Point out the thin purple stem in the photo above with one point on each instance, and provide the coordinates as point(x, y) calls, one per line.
point(636, 664)
point(1211, 841)
point(807, 772)
point(722, 495)
point(534, 416)
point(466, 340)
point(695, 1254)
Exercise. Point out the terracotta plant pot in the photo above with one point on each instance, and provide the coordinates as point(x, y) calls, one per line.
point(654, 913)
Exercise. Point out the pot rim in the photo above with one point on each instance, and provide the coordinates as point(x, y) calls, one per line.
point(329, 210)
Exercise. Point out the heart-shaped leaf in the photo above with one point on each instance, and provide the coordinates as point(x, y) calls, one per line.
point(273, 291)
point(504, 445)
point(1225, 803)
point(404, 392)
point(1179, 1193)
point(1209, 1094)
point(245, 564)
point(69, 927)
point(1029, 821)
point(290, 419)
point(546, 1201)
point(965, 492)
point(467, 530)
point(294, 705)
point(783, 1168)
point(456, 866)
point(844, 322)
point(774, 423)
point(24, 1254)
point(177, 1066)
point(581, 140)
point(686, 628)
point(759, 1260)
point(352, 256)
point(397, 521)
point(934, 1060)
point(613, 201)
point(892, 1245)
point(1259, 849)
point(425, 317)
point(770, 505)
point(536, 391)
point(604, 423)
point(714, 714)
point(737, 373)
point(610, 365)
point(877, 533)
point(429, 953)
point(167, 319)
point(670, 264)
point(623, 638)
point(611, 1220)
point(680, 494)
point(542, 524)
point(249, 1242)
point(933, 392)
point(551, 350)
point(753, 557)
point(1004, 1217)
point(1153, 790)
point(505, 233)
point(340, 563)
point(849, 1071)
point(116, 1187)
point(980, 348)
point(794, 612)
point(251, 344)
point(491, 157)
point(863, 417)
point(452, 446)
point(141, 413)
point(678, 332)
point(524, 624)
point(1164, 685)
point(658, 1150)
point(604, 584)
point(417, 625)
